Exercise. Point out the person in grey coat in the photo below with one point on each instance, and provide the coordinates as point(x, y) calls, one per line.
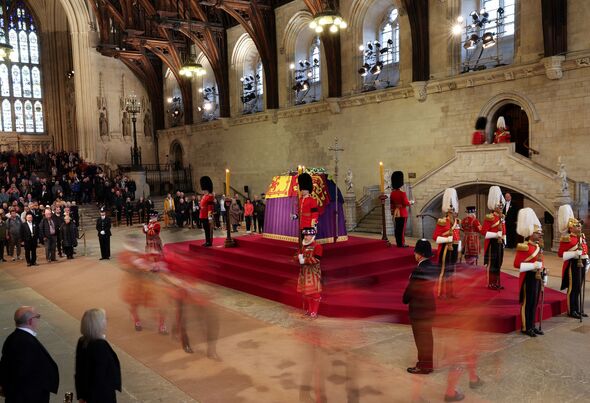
point(13, 229)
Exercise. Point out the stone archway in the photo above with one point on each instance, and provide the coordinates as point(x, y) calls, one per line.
point(494, 164)
point(176, 155)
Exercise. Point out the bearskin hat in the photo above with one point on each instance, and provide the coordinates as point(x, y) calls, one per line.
point(397, 180)
point(481, 123)
point(206, 184)
point(305, 182)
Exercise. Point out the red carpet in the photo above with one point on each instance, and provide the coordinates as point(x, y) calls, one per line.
point(362, 278)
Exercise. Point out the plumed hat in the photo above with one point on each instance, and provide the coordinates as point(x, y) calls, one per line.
point(397, 180)
point(480, 123)
point(528, 223)
point(495, 197)
point(501, 124)
point(566, 219)
point(309, 231)
point(305, 182)
point(206, 184)
point(470, 210)
point(450, 200)
point(423, 248)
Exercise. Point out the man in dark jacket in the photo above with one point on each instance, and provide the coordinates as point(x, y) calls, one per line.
point(103, 226)
point(48, 235)
point(27, 371)
point(30, 237)
point(419, 295)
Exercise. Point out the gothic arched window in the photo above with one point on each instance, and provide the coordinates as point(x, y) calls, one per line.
point(259, 79)
point(487, 29)
point(20, 75)
point(389, 38)
point(314, 59)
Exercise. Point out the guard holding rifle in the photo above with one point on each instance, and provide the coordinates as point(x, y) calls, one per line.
point(529, 261)
point(574, 251)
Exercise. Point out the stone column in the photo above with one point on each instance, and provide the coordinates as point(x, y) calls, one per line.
point(350, 210)
point(143, 189)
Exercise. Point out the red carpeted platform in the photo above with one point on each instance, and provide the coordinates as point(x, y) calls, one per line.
point(362, 278)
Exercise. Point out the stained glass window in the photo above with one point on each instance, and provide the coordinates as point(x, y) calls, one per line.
point(16, 87)
point(6, 115)
point(4, 82)
point(20, 76)
point(38, 117)
point(315, 61)
point(18, 116)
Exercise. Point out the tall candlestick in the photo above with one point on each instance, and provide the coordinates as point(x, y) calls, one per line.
point(227, 177)
point(382, 178)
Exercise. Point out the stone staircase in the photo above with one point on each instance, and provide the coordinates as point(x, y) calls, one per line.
point(371, 223)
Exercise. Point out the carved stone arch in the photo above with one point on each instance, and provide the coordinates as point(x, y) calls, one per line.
point(296, 24)
point(510, 97)
point(176, 154)
point(243, 53)
point(490, 108)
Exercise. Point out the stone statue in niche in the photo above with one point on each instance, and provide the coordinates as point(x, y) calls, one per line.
point(562, 176)
point(125, 124)
point(103, 122)
point(387, 178)
point(147, 123)
point(348, 181)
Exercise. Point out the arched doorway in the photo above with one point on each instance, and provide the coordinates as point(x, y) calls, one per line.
point(518, 125)
point(176, 155)
point(476, 194)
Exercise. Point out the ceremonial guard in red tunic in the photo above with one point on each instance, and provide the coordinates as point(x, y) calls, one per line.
point(471, 230)
point(574, 251)
point(447, 235)
point(309, 283)
point(153, 243)
point(207, 208)
point(308, 206)
point(494, 230)
point(529, 261)
point(501, 135)
point(479, 135)
point(399, 203)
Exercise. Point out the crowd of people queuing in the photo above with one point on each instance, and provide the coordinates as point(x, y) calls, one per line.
point(181, 211)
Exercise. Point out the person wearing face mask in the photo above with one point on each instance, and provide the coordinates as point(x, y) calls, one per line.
point(419, 296)
point(103, 226)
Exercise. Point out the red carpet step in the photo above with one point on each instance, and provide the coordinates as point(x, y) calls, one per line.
point(362, 278)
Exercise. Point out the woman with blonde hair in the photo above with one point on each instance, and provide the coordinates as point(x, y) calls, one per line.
point(98, 372)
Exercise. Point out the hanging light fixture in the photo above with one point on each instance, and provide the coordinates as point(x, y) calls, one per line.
point(330, 20)
point(192, 68)
point(5, 48)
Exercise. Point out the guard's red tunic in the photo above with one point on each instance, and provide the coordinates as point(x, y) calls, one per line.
point(207, 206)
point(529, 252)
point(501, 136)
point(398, 202)
point(571, 243)
point(471, 228)
point(444, 228)
point(493, 222)
point(308, 212)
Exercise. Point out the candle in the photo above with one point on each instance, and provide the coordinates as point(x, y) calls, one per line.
point(227, 175)
point(382, 178)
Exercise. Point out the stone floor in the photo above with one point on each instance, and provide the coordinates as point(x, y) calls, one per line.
point(268, 353)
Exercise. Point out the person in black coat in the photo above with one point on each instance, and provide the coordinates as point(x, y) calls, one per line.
point(27, 371)
point(510, 217)
point(30, 237)
point(103, 226)
point(69, 236)
point(419, 296)
point(98, 372)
